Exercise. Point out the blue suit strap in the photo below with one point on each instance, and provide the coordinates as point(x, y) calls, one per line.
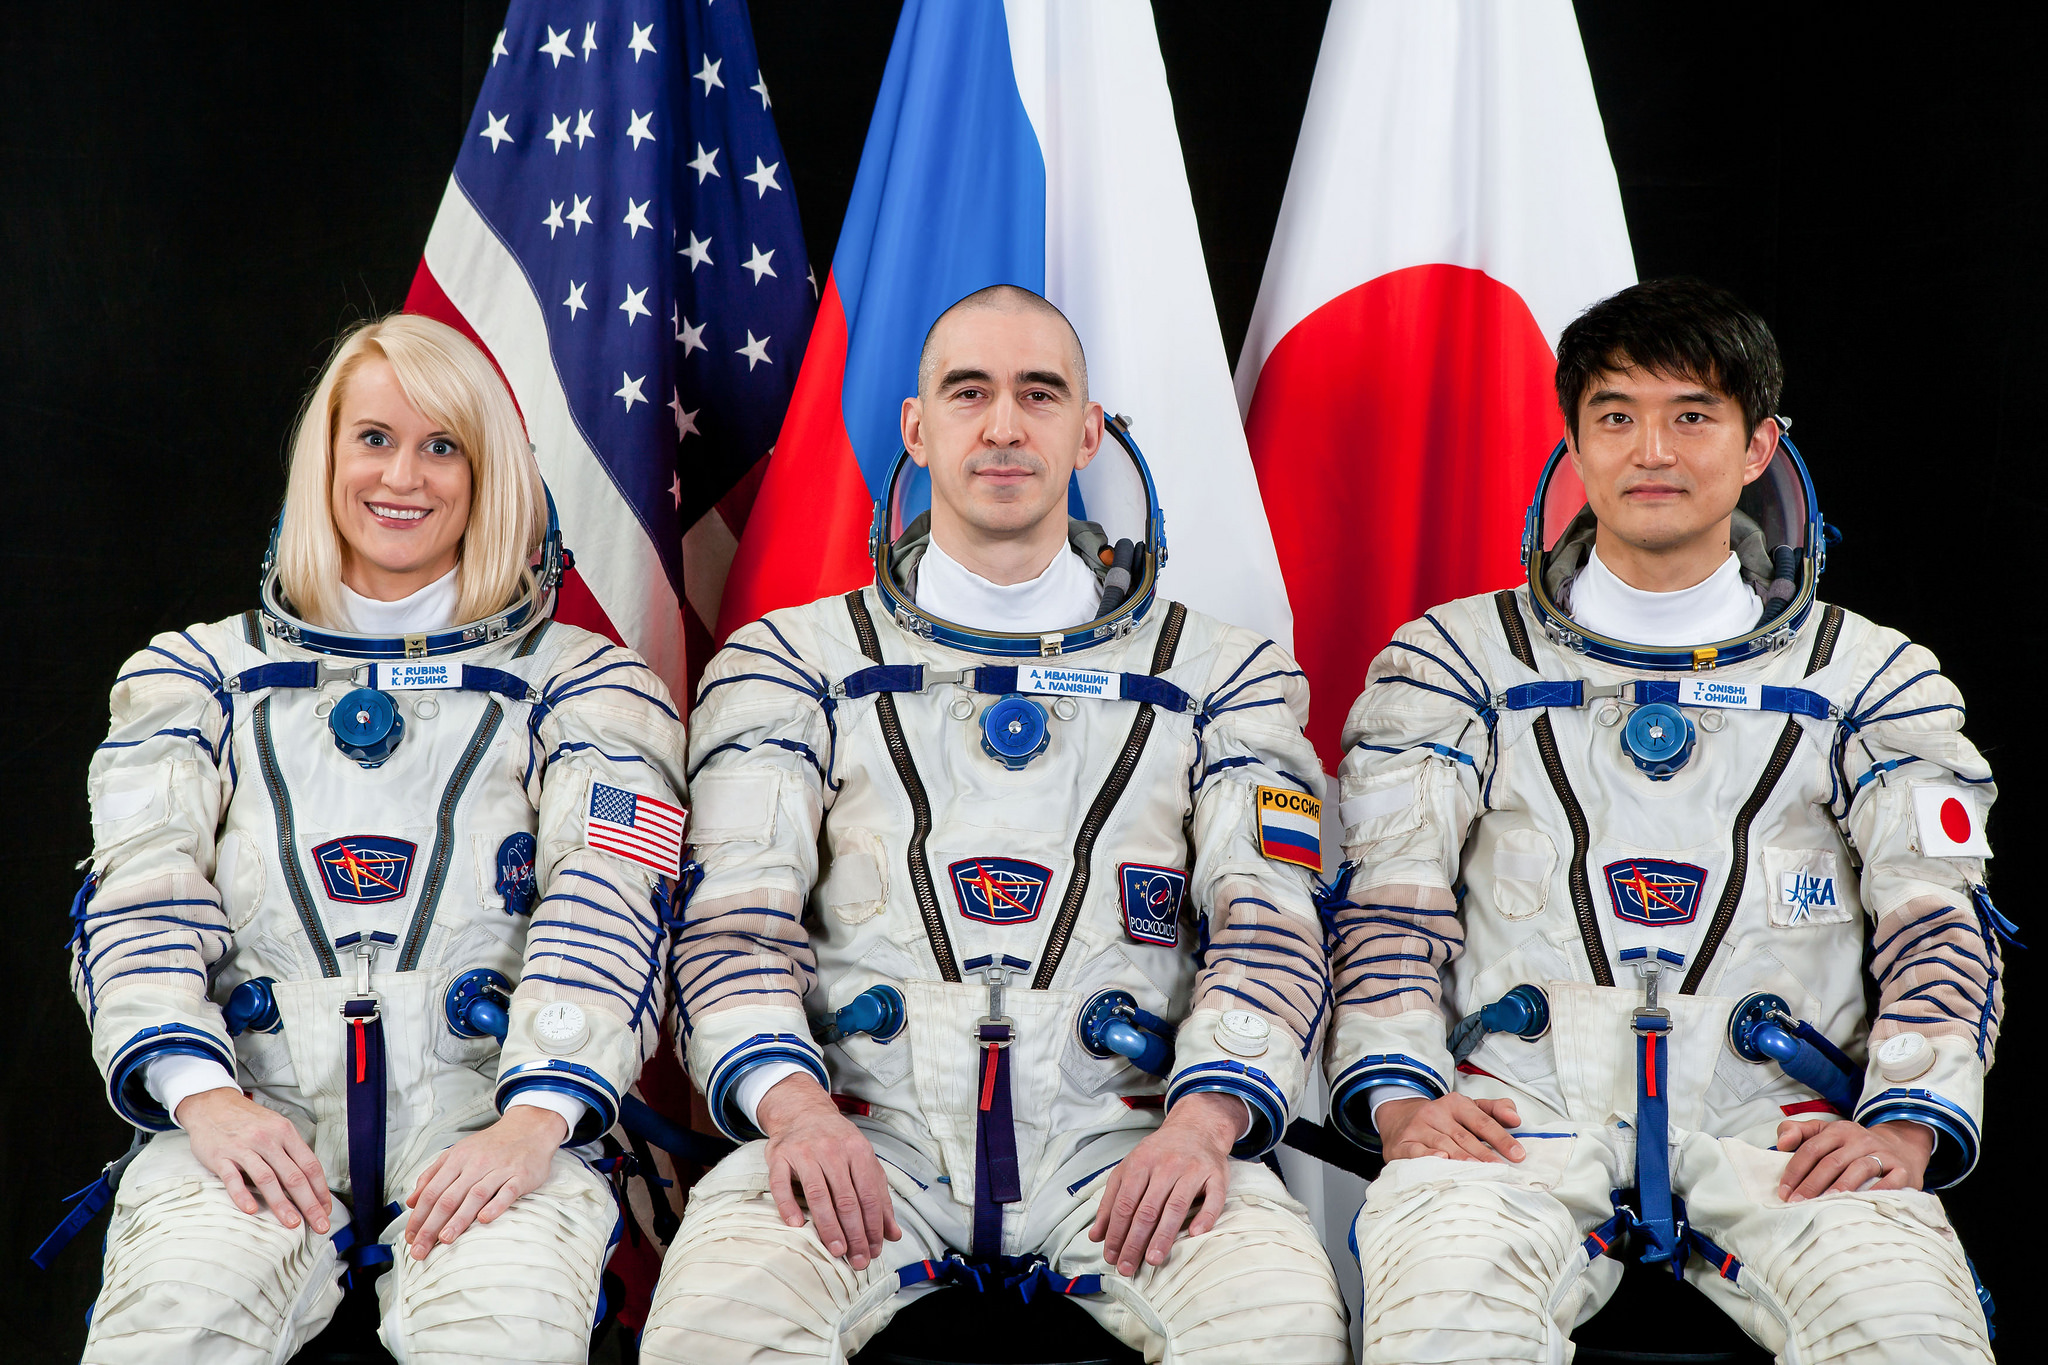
point(497, 680)
point(304, 673)
point(996, 680)
point(1537, 696)
point(1786, 701)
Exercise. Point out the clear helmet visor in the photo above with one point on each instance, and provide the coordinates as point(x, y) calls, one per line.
point(1113, 490)
point(1777, 534)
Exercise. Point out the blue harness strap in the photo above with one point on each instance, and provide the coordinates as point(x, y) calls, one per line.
point(1789, 701)
point(995, 1142)
point(1653, 1140)
point(996, 680)
point(307, 673)
point(85, 1204)
point(1028, 1275)
point(366, 1097)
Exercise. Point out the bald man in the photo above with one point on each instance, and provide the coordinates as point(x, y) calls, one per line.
point(894, 807)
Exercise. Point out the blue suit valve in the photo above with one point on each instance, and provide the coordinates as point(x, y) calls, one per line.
point(476, 1004)
point(1658, 739)
point(367, 726)
point(1523, 1012)
point(1762, 1029)
point(1014, 731)
point(252, 1008)
point(877, 1011)
point(1112, 1025)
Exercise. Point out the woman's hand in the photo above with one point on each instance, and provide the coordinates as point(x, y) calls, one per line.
point(244, 1143)
point(479, 1177)
point(1835, 1154)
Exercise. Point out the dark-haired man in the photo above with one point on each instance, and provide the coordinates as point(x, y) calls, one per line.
point(1012, 793)
point(1630, 830)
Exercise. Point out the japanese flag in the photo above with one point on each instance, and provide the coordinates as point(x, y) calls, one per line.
point(1951, 820)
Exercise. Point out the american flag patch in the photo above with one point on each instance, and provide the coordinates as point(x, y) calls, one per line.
point(637, 828)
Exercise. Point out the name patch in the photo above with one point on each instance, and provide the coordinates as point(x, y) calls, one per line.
point(1069, 682)
point(1152, 899)
point(1728, 696)
point(999, 890)
point(1655, 891)
point(1290, 827)
point(415, 675)
point(362, 869)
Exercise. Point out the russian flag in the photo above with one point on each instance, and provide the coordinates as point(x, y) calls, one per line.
point(1451, 209)
point(1028, 143)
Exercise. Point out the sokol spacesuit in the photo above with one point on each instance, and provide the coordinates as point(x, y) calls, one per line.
point(313, 918)
point(1001, 831)
point(1678, 854)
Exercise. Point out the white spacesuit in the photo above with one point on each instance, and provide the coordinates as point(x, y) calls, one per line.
point(1528, 803)
point(310, 918)
point(999, 830)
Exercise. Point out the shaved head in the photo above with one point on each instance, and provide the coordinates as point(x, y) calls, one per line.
point(997, 298)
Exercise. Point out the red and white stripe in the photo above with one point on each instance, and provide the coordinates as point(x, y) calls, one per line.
point(654, 839)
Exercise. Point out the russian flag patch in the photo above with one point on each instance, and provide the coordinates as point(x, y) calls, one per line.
point(1290, 827)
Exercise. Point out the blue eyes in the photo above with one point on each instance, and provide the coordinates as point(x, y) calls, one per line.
point(376, 438)
point(379, 440)
point(441, 447)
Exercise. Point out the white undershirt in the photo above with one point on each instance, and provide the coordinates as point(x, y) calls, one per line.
point(174, 1079)
point(1065, 594)
point(1719, 607)
point(429, 609)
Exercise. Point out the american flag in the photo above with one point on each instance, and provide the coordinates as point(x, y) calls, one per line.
point(621, 236)
point(636, 827)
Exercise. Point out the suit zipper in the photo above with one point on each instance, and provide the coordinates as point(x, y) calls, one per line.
point(1781, 758)
point(287, 842)
point(920, 804)
point(1105, 805)
point(444, 836)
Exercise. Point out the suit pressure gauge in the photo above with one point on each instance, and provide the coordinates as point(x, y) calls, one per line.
point(561, 1027)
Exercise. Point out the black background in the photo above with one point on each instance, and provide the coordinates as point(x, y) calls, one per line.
point(194, 200)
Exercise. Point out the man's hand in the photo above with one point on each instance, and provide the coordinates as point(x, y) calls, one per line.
point(479, 1177)
point(1454, 1126)
point(1183, 1162)
point(813, 1148)
point(1837, 1154)
point(233, 1136)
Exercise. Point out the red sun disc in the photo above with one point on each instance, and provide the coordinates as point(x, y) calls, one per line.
point(1955, 821)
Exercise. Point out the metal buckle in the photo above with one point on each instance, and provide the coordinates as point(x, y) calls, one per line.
point(415, 646)
point(1003, 1021)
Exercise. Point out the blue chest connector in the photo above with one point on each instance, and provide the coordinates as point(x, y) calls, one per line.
point(367, 726)
point(1658, 739)
point(1014, 731)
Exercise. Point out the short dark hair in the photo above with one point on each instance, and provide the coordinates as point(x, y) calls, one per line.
point(1000, 297)
point(1679, 327)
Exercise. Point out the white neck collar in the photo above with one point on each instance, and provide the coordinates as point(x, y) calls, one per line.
point(1065, 594)
point(1719, 607)
point(429, 609)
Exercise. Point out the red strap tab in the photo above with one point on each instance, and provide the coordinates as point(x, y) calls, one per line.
point(1144, 1101)
point(847, 1104)
point(1809, 1107)
point(362, 1049)
point(989, 1056)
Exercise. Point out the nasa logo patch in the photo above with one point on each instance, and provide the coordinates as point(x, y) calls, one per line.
point(515, 873)
point(999, 890)
point(363, 869)
point(1655, 891)
point(1152, 897)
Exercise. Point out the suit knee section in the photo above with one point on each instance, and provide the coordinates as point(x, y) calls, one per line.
point(1468, 1266)
point(1867, 1277)
point(523, 1287)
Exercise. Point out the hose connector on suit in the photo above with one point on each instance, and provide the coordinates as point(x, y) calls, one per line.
point(1112, 1025)
point(877, 1011)
point(1523, 1012)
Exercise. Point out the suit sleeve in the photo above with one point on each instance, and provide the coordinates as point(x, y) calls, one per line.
point(603, 719)
point(1418, 748)
point(740, 963)
point(148, 926)
point(1900, 758)
point(1261, 942)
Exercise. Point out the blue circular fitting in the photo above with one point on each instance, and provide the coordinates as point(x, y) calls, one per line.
point(877, 1011)
point(252, 1008)
point(1748, 1019)
point(367, 726)
point(1523, 1012)
point(476, 1001)
point(1657, 739)
point(1013, 731)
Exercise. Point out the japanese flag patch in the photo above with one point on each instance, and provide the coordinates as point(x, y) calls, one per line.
point(1290, 827)
point(638, 828)
point(1951, 821)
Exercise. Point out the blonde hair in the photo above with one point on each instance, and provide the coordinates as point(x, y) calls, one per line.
point(450, 381)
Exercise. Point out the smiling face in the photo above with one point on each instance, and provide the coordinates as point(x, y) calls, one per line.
point(1664, 460)
point(401, 488)
point(1002, 422)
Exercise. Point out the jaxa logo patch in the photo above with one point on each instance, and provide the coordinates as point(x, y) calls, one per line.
point(999, 890)
point(515, 873)
point(1807, 897)
point(363, 869)
point(1152, 897)
point(1655, 891)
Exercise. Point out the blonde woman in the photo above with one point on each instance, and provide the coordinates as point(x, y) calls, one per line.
point(330, 833)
